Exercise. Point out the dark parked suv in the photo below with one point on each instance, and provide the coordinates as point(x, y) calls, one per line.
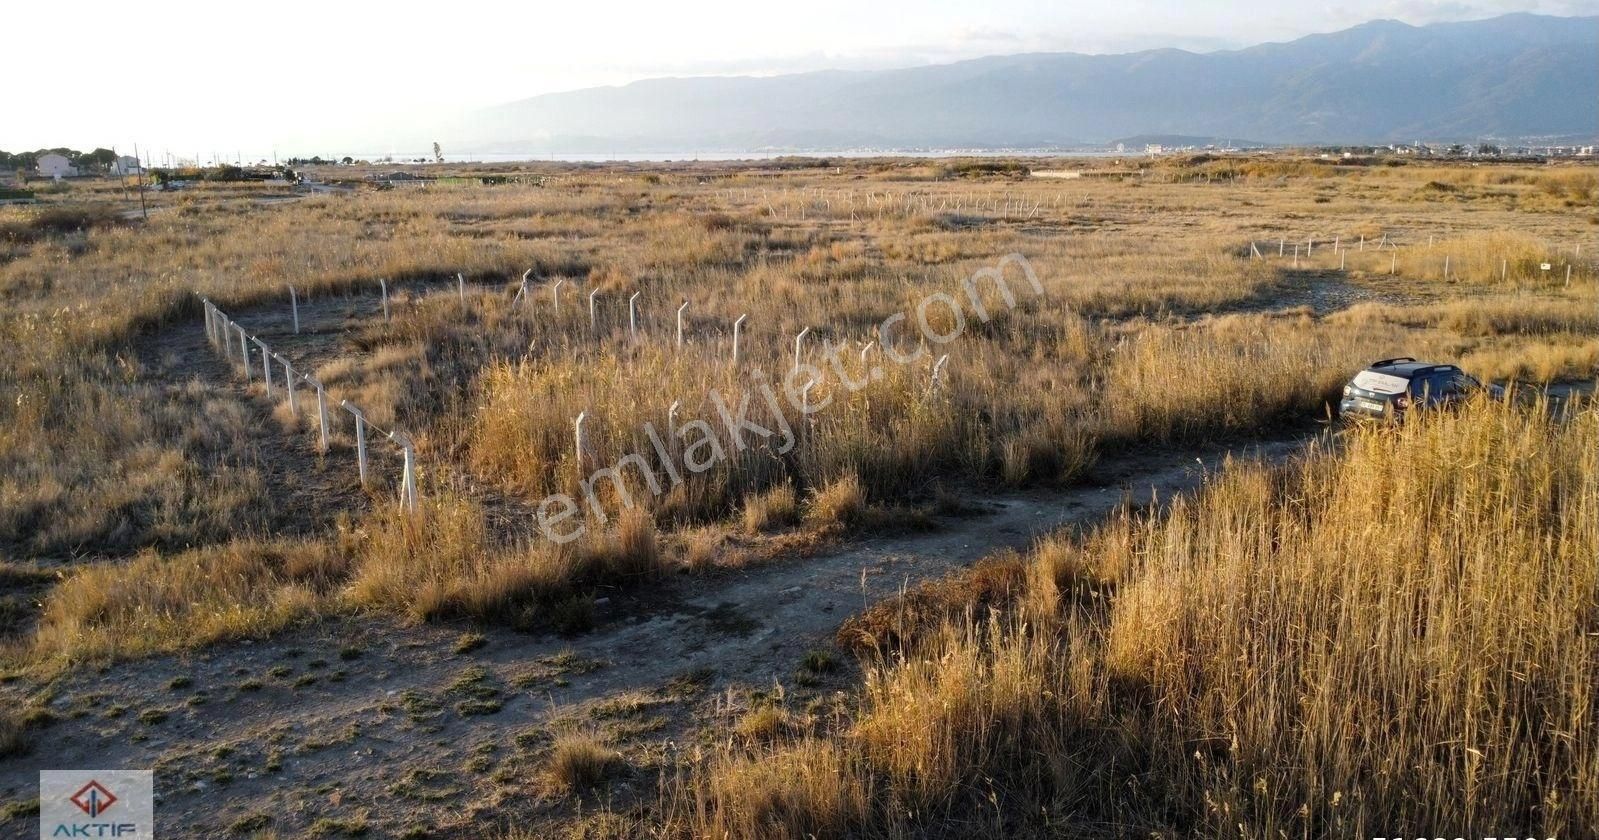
point(1391, 387)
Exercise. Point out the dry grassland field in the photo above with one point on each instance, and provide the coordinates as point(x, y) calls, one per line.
point(1021, 510)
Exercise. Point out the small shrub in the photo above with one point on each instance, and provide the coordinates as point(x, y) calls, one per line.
point(468, 642)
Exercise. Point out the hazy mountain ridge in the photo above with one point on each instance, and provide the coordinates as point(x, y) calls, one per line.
point(1383, 81)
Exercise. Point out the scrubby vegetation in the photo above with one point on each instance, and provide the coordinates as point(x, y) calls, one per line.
point(1294, 651)
point(1396, 630)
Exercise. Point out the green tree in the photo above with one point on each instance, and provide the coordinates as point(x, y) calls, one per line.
point(99, 158)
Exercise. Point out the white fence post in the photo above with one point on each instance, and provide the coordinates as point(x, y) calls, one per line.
point(594, 317)
point(798, 342)
point(360, 438)
point(521, 291)
point(266, 365)
point(244, 352)
point(632, 315)
point(294, 307)
point(383, 286)
point(322, 413)
point(288, 384)
point(737, 327)
point(680, 323)
point(578, 439)
point(460, 287)
point(556, 290)
point(408, 477)
point(938, 372)
point(1446, 266)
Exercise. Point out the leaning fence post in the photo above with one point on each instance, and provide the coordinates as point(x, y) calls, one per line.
point(322, 413)
point(460, 287)
point(1446, 266)
point(556, 290)
point(244, 352)
point(360, 438)
point(408, 477)
point(294, 307)
point(266, 365)
point(632, 315)
point(737, 326)
point(1568, 275)
point(521, 291)
point(798, 342)
point(288, 384)
point(594, 318)
point(938, 372)
point(680, 323)
point(383, 286)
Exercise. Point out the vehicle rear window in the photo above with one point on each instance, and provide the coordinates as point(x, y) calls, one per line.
point(1381, 383)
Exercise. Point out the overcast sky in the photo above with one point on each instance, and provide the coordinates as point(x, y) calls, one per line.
point(303, 77)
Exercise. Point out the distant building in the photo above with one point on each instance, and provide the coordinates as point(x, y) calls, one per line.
point(56, 166)
point(126, 165)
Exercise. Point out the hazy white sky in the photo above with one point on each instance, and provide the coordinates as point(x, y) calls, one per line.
point(303, 77)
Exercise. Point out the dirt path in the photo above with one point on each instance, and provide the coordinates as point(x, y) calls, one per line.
point(358, 721)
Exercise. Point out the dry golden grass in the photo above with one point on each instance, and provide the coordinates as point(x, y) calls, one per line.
point(580, 761)
point(776, 508)
point(101, 454)
point(443, 564)
point(157, 603)
point(1326, 648)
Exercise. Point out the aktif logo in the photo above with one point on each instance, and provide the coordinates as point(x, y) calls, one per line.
point(98, 804)
point(93, 799)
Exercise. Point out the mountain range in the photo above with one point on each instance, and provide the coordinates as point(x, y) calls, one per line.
point(1515, 76)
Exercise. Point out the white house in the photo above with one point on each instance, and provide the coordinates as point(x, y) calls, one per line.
point(56, 166)
point(125, 165)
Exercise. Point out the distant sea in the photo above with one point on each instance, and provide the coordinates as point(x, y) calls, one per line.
point(679, 157)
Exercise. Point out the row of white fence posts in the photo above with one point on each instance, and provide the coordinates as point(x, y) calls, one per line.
point(220, 329)
point(1393, 261)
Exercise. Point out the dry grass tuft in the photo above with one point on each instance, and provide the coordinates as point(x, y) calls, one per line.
point(580, 762)
point(839, 504)
point(772, 510)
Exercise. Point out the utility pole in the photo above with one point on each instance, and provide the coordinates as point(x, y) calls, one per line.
point(143, 211)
